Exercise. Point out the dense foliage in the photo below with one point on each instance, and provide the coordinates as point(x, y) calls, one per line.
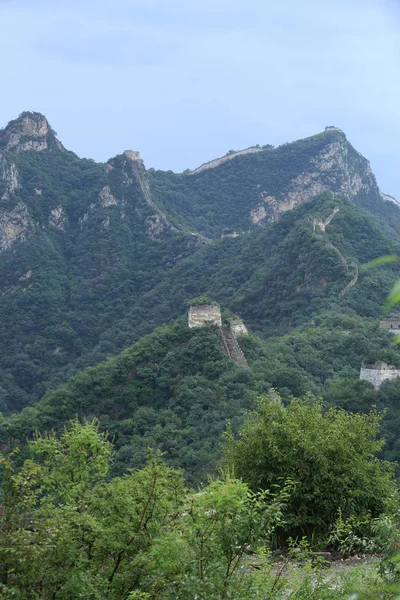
point(68, 532)
point(174, 390)
point(219, 200)
point(329, 456)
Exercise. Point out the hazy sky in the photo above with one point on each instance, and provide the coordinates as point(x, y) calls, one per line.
point(184, 81)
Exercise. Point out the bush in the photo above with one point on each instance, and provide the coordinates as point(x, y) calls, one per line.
point(330, 456)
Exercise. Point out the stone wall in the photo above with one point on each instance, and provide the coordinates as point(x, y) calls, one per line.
point(378, 373)
point(204, 314)
point(391, 323)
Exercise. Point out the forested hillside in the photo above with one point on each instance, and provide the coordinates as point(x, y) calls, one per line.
point(94, 256)
point(252, 189)
point(111, 403)
point(175, 390)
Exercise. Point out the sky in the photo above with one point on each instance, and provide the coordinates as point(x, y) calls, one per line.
point(184, 81)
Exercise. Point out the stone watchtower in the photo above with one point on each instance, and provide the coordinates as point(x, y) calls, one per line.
point(201, 315)
point(391, 323)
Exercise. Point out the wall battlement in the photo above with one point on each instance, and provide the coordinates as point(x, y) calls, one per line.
point(391, 323)
point(378, 372)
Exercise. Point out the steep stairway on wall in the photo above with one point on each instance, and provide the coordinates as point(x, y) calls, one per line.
point(322, 225)
point(352, 282)
point(231, 347)
point(144, 186)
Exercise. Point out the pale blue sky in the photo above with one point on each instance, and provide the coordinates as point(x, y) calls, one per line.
point(184, 81)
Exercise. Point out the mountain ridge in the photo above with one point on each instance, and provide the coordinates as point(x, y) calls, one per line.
point(96, 255)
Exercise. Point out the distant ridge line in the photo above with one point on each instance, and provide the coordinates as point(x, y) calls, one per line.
point(211, 164)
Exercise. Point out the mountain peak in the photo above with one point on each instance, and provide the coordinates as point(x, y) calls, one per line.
point(30, 131)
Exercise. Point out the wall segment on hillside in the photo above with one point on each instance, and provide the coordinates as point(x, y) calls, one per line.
point(391, 323)
point(378, 372)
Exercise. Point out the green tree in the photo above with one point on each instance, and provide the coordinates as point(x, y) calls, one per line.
point(329, 455)
point(67, 531)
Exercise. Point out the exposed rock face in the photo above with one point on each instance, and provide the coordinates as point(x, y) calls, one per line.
point(238, 328)
point(31, 131)
point(154, 226)
point(14, 226)
point(58, 218)
point(106, 197)
point(10, 176)
point(338, 167)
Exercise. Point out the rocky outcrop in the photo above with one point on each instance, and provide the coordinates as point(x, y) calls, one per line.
point(238, 328)
point(337, 168)
point(58, 218)
point(14, 226)
point(106, 197)
point(31, 131)
point(9, 176)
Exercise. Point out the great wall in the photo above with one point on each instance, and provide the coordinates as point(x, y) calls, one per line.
point(322, 225)
point(138, 171)
point(211, 164)
point(204, 315)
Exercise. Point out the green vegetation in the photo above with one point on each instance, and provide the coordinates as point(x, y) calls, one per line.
point(67, 531)
point(202, 300)
point(174, 390)
point(220, 199)
point(97, 273)
point(329, 456)
point(126, 405)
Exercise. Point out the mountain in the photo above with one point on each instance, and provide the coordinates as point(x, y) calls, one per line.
point(254, 187)
point(95, 256)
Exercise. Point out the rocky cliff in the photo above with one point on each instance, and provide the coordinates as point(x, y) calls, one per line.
point(336, 167)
